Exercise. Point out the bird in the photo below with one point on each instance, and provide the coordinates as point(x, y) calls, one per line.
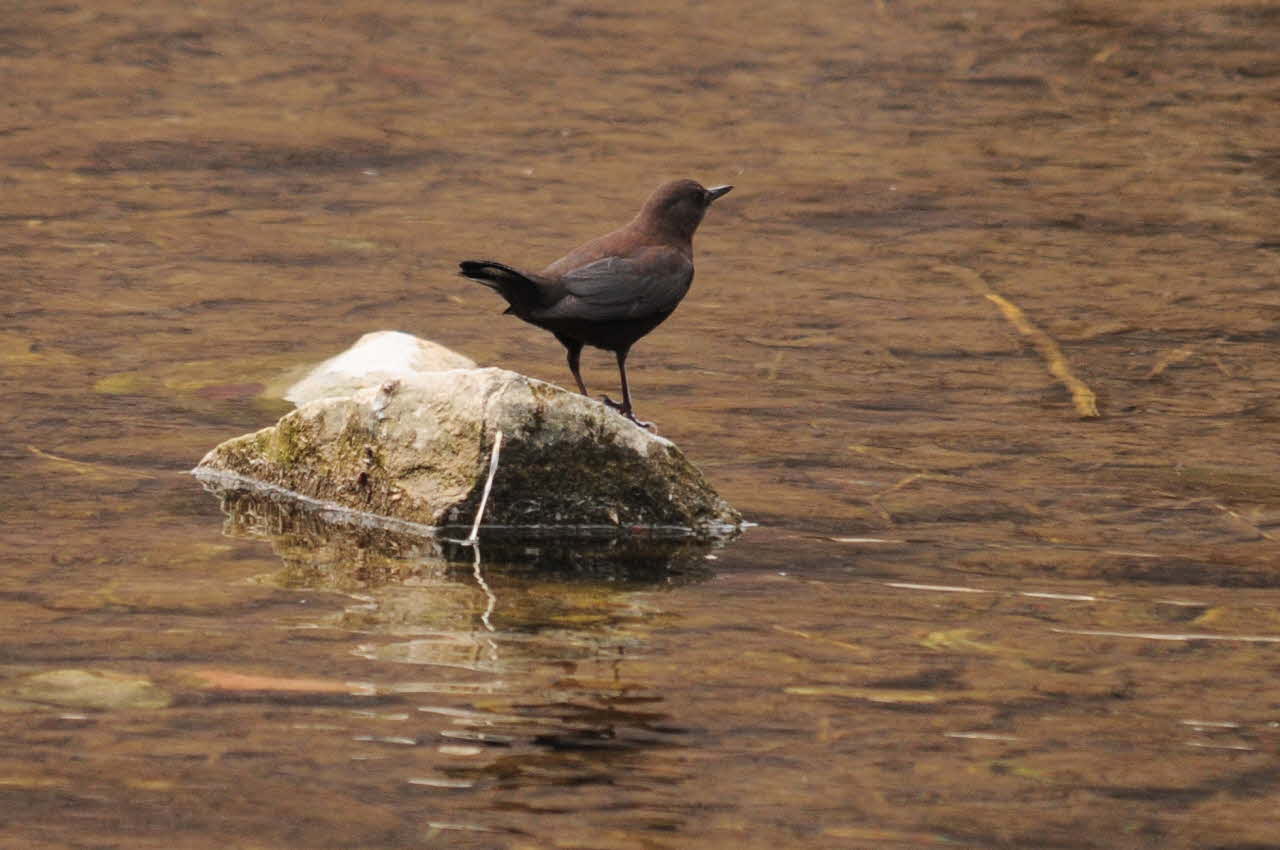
point(615, 289)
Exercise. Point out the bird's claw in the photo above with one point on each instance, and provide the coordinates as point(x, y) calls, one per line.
point(626, 411)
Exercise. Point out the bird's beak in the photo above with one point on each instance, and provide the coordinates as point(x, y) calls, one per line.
point(716, 191)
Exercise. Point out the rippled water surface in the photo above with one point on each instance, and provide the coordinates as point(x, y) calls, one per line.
point(968, 617)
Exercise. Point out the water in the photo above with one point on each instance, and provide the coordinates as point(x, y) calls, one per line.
point(968, 618)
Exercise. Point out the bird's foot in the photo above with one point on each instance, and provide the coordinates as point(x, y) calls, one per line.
point(626, 411)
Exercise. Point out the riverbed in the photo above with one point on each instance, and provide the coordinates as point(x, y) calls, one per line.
point(972, 613)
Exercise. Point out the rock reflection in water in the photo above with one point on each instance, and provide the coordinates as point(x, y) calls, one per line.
point(350, 553)
point(524, 659)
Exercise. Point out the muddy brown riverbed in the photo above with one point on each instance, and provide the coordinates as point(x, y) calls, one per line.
point(969, 617)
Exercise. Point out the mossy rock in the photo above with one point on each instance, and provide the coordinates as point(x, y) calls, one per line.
point(417, 449)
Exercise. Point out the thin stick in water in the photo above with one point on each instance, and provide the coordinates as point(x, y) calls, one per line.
point(1085, 401)
point(488, 485)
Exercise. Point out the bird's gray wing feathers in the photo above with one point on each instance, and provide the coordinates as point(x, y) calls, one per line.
point(619, 288)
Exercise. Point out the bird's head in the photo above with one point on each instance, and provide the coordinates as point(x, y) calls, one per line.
point(677, 208)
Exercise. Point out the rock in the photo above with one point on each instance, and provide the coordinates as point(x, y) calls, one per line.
point(91, 689)
point(376, 358)
point(417, 449)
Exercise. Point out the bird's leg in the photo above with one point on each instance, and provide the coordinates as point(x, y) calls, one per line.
point(625, 407)
point(574, 349)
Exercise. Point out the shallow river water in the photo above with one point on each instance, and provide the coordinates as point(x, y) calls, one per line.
point(969, 615)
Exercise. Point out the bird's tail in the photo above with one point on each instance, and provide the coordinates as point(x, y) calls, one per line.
point(519, 289)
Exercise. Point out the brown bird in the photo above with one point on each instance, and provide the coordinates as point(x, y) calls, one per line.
point(615, 289)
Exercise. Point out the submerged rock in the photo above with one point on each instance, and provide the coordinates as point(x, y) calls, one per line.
point(417, 449)
point(376, 358)
point(98, 689)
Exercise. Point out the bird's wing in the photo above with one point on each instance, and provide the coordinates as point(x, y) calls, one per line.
point(620, 288)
